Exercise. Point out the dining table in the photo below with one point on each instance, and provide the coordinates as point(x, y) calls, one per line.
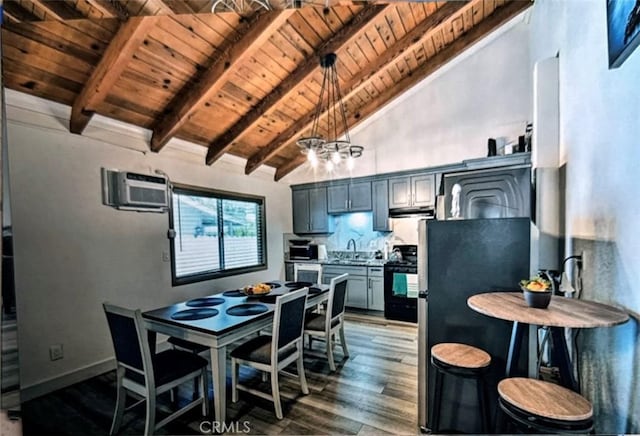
point(221, 319)
point(563, 312)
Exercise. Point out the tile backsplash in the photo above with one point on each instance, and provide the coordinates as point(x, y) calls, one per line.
point(359, 227)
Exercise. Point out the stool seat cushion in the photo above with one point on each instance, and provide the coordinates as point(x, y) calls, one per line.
point(545, 399)
point(461, 355)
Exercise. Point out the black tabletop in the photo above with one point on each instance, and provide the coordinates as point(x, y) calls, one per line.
point(222, 322)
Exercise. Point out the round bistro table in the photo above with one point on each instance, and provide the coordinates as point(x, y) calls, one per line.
point(562, 312)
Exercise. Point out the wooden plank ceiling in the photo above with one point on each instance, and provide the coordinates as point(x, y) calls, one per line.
point(245, 84)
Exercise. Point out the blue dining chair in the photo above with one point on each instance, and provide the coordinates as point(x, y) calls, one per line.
point(271, 354)
point(147, 374)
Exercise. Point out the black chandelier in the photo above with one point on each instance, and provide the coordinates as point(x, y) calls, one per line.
point(329, 149)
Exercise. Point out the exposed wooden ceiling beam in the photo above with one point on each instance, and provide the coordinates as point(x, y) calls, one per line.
point(155, 7)
point(17, 13)
point(115, 59)
point(58, 10)
point(178, 6)
point(394, 52)
point(285, 89)
point(110, 8)
point(259, 28)
point(486, 26)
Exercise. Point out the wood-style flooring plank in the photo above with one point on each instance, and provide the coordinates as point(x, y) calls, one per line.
point(374, 391)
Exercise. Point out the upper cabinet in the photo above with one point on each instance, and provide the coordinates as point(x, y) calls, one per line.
point(310, 211)
point(380, 191)
point(412, 191)
point(349, 197)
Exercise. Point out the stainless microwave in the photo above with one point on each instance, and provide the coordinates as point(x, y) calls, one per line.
point(303, 252)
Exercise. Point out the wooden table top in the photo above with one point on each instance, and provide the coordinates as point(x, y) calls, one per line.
point(562, 311)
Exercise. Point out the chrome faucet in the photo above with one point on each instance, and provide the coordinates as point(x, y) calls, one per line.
point(354, 246)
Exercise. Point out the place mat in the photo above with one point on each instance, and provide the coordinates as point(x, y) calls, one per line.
point(273, 285)
point(234, 293)
point(205, 301)
point(297, 285)
point(247, 309)
point(314, 290)
point(194, 314)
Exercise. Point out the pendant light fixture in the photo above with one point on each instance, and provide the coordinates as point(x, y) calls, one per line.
point(323, 145)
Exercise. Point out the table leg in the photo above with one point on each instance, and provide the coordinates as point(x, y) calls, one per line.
point(219, 378)
point(560, 356)
point(533, 351)
point(517, 332)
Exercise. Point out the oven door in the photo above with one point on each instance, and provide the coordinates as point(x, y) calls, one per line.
point(401, 293)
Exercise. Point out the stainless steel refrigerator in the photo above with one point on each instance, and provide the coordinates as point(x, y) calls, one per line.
point(458, 259)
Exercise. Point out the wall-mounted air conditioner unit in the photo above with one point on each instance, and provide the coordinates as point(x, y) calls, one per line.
point(132, 191)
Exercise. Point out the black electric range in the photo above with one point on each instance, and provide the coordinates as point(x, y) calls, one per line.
point(401, 285)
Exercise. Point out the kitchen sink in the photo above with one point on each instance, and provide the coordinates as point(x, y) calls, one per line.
point(357, 262)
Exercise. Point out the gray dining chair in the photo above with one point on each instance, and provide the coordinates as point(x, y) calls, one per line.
point(326, 325)
point(145, 374)
point(271, 354)
point(307, 272)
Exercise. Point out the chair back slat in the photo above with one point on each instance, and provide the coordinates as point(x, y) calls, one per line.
point(125, 339)
point(289, 317)
point(339, 291)
point(308, 276)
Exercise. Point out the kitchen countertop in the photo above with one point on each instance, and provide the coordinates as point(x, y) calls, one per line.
point(345, 262)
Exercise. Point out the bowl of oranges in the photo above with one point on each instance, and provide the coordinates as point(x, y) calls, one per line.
point(537, 292)
point(257, 290)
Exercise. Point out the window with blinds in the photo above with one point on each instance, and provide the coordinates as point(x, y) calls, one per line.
point(217, 234)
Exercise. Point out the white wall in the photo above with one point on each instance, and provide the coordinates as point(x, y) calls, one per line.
point(483, 93)
point(600, 152)
point(72, 253)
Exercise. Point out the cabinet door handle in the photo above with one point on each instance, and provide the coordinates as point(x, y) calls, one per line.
point(349, 204)
point(346, 204)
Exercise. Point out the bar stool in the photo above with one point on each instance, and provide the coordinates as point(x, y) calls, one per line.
point(462, 361)
point(544, 407)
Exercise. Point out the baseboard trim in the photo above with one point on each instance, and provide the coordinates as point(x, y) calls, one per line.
point(47, 386)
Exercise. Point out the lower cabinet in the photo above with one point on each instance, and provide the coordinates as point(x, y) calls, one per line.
point(375, 283)
point(357, 292)
point(289, 273)
point(357, 286)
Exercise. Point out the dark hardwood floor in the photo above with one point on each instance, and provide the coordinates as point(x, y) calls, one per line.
point(372, 392)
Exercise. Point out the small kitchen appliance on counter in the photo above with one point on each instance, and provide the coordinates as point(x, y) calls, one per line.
point(302, 249)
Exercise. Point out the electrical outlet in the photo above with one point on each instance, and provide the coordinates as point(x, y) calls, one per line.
point(56, 352)
point(165, 256)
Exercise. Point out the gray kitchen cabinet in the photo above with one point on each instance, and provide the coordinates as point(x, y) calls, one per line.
point(412, 191)
point(289, 273)
point(310, 211)
point(375, 281)
point(349, 197)
point(357, 286)
point(380, 194)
